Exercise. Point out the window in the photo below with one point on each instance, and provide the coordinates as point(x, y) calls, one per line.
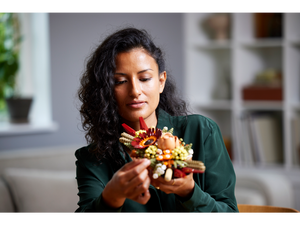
point(34, 75)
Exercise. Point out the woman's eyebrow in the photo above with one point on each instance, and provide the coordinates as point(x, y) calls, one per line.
point(144, 70)
point(124, 74)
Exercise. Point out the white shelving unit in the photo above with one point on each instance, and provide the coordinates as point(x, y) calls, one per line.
point(216, 72)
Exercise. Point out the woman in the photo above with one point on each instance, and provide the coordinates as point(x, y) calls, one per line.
point(125, 79)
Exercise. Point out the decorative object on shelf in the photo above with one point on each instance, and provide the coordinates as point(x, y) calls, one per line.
point(268, 25)
point(262, 138)
point(218, 25)
point(169, 155)
point(262, 93)
point(222, 88)
point(10, 39)
point(227, 142)
point(267, 85)
point(269, 77)
point(296, 139)
point(18, 109)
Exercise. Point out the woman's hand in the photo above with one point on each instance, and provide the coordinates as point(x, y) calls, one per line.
point(182, 187)
point(131, 181)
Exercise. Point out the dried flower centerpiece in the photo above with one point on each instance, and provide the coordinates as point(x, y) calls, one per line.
point(169, 155)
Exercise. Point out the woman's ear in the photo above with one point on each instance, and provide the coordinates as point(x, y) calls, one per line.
point(162, 81)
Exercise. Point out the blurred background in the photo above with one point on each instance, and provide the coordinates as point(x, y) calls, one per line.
point(240, 69)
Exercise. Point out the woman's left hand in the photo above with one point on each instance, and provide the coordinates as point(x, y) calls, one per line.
point(182, 187)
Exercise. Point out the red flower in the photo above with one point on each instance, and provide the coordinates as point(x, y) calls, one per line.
point(144, 139)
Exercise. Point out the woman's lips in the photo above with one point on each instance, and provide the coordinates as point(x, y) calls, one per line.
point(136, 104)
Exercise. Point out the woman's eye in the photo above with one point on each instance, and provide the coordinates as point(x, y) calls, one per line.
point(145, 79)
point(120, 82)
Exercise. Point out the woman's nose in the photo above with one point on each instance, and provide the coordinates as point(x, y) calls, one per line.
point(135, 88)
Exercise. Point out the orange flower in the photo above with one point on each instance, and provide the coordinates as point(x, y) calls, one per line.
point(168, 141)
point(143, 140)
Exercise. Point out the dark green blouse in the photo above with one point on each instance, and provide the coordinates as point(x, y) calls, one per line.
point(214, 189)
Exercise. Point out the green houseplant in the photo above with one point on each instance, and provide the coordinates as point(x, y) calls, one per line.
point(10, 40)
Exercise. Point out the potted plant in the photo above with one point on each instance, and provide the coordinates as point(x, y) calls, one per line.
point(10, 40)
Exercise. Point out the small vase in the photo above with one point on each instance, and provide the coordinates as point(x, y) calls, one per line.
point(18, 109)
point(219, 25)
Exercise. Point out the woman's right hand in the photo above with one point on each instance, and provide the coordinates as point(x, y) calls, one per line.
point(131, 181)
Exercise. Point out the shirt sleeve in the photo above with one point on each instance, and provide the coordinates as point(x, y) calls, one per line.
point(90, 188)
point(215, 193)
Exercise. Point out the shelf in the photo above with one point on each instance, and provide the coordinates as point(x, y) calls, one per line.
point(215, 105)
point(295, 106)
point(239, 60)
point(295, 43)
point(8, 129)
point(214, 45)
point(263, 105)
point(263, 43)
point(294, 170)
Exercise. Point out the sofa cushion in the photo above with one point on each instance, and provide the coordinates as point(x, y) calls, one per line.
point(249, 196)
point(51, 158)
point(6, 203)
point(42, 190)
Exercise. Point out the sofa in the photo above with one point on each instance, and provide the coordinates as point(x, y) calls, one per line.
point(38, 180)
point(43, 180)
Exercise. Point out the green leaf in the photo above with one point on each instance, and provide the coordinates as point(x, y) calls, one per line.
point(10, 40)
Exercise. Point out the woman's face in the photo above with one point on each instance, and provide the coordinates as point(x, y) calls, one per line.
point(138, 85)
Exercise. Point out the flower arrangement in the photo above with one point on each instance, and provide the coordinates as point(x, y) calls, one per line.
point(170, 156)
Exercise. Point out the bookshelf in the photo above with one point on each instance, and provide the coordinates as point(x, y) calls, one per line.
point(217, 70)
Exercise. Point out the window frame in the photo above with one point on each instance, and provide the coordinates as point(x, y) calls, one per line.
point(34, 77)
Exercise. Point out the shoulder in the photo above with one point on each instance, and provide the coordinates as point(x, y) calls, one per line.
point(89, 166)
point(188, 125)
point(84, 154)
point(195, 121)
point(199, 125)
point(81, 152)
point(192, 119)
point(200, 120)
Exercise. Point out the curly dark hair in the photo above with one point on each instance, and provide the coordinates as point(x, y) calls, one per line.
point(99, 110)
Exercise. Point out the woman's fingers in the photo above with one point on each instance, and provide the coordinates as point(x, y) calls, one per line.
point(132, 164)
point(131, 181)
point(161, 181)
point(139, 179)
point(133, 178)
point(133, 169)
point(144, 197)
point(179, 186)
point(141, 193)
point(139, 185)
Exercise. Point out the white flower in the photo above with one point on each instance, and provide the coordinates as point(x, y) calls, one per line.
point(159, 170)
point(191, 151)
point(164, 167)
point(159, 151)
point(155, 176)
